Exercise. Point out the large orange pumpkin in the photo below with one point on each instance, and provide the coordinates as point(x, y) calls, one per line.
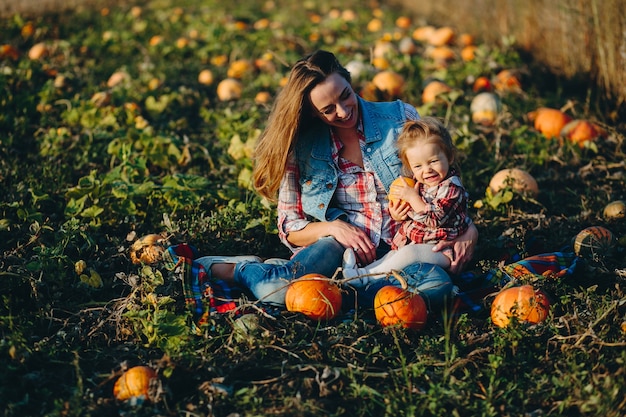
point(396, 306)
point(398, 183)
point(523, 302)
point(134, 383)
point(315, 296)
point(549, 121)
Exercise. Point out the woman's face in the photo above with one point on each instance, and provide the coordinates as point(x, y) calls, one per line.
point(335, 102)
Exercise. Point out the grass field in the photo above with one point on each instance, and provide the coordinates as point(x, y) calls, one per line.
point(109, 134)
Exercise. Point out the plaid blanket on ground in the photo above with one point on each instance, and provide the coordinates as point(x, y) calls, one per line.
point(201, 296)
point(476, 286)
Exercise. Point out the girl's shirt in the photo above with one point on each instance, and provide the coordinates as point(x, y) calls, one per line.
point(360, 194)
point(445, 217)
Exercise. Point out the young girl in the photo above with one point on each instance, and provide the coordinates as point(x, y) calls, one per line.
point(434, 210)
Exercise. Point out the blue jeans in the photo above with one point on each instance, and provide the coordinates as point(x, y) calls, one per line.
point(268, 282)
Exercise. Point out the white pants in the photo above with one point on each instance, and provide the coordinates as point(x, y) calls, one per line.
point(395, 260)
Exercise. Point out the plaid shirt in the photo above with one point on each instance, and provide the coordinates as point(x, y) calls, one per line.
point(445, 217)
point(360, 193)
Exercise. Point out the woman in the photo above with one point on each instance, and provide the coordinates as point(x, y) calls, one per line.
point(330, 157)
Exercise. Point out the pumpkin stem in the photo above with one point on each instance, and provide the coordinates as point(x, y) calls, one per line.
point(400, 278)
point(394, 273)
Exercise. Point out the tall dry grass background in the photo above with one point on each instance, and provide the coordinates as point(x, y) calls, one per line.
point(573, 38)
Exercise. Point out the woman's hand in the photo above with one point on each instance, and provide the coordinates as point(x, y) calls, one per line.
point(353, 237)
point(399, 210)
point(463, 247)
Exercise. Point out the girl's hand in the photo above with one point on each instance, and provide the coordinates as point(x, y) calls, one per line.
point(352, 237)
point(408, 194)
point(399, 210)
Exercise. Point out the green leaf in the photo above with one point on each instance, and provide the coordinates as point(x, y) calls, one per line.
point(75, 205)
point(92, 212)
point(507, 196)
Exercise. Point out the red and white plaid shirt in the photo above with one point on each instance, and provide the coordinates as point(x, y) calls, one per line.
point(360, 193)
point(445, 217)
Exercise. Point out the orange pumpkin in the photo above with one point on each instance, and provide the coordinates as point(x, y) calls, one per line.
point(403, 22)
point(381, 63)
point(8, 51)
point(38, 51)
point(549, 121)
point(482, 83)
point(389, 82)
point(315, 296)
point(134, 383)
point(441, 36)
point(580, 131)
point(117, 78)
point(229, 89)
point(262, 97)
point(265, 63)
point(468, 53)
point(423, 33)
point(507, 81)
point(205, 77)
point(396, 306)
point(465, 39)
point(434, 89)
point(441, 55)
point(398, 182)
point(524, 303)
point(374, 25)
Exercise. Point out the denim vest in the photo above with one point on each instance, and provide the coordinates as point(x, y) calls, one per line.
point(382, 123)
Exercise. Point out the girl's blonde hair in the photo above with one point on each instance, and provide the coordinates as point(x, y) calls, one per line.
point(292, 112)
point(426, 130)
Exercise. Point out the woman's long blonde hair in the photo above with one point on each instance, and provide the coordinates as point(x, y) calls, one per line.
point(291, 113)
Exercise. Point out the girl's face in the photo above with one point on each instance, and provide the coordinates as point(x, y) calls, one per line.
point(428, 163)
point(335, 102)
